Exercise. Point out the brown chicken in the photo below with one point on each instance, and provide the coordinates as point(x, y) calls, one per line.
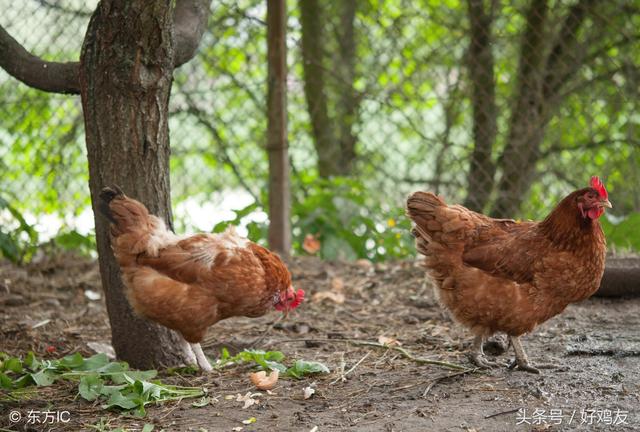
point(189, 283)
point(499, 275)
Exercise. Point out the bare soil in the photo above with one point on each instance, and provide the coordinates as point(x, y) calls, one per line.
point(594, 344)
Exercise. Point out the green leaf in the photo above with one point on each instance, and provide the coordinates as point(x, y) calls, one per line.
point(12, 364)
point(113, 368)
point(90, 387)
point(43, 378)
point(31, 362)
point(302, 367)
point(117, 399)
point(147, 391)
point(271, 365)
point(140, 411)
point(5, 381)
point(202, 402)
point(225, 354)
point(148, 427)
point(93, 363)
point(23, 381)
point(72, 361)
point(141, 375)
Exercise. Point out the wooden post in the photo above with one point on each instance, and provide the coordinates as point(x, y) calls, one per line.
point(277, 145)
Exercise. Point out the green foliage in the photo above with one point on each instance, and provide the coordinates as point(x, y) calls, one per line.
point(73, 241)
point(414, 124)
point(349, 220)
point(17, 238)
point(112, 383)
point(271, 360)
point(623, 234)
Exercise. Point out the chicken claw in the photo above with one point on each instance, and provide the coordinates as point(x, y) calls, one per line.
point(203, 362)
point(188, 355)
point(521, 361)
point(477, 356)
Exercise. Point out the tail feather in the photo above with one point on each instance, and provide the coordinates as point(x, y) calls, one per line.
point(431, 225)
point(422, 208)
point(107, 195)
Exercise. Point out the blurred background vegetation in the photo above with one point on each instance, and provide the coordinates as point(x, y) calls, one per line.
point(503, 106)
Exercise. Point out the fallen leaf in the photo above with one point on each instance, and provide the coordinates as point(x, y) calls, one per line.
point(249, 421)
point(337, 285)
point(364, 263)
point(328, 295)
point(40, 324)
point(311, 244)
point(308, 392)
point(264, 382)
point(389, 341)
point(314, 429)
point(92, 295)
point(248, 399)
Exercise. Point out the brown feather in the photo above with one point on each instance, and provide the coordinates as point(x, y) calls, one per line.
point(499, 275)
point(190, 283)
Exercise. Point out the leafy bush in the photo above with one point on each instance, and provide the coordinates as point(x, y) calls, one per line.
point(624, 233)
point(18, 239)
point(349, 221)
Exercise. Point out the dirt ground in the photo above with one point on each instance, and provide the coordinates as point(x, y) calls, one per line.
point(596, 345)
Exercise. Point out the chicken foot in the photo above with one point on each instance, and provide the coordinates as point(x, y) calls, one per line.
point(521, 361)
point(203, 362)
point(188, 355)
point(477, 356)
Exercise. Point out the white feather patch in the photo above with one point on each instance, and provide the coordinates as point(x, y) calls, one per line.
point(208, 249)
point(160, 237)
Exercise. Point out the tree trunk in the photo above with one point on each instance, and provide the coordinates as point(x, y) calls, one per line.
point(348, 101)
point(277, 144)
point(125, 80)
point(483, 101)
point(315, 90)
point(541, 77)
point(528, 118)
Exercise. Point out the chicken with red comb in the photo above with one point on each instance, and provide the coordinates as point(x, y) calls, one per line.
point(499, 275)
point(188, 283)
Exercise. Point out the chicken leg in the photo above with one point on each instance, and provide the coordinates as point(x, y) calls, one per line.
point(203, 362)
point(477, 356)
point(188, 355)
point(521, 360)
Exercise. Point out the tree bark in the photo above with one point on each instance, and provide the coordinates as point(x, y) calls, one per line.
point(528, 116)
point(483, 101)
point(277, 143)
point(315, 89)
point(126, 70)
point(190, 19)
point(540, 79)
point(348, 100)
point(333, 105)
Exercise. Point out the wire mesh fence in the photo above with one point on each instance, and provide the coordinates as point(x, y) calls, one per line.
point(502, 106)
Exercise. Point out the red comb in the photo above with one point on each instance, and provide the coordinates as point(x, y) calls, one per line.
point(299, 298)
point(597, 184)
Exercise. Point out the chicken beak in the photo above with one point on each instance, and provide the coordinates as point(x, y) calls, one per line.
point(606, 203)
